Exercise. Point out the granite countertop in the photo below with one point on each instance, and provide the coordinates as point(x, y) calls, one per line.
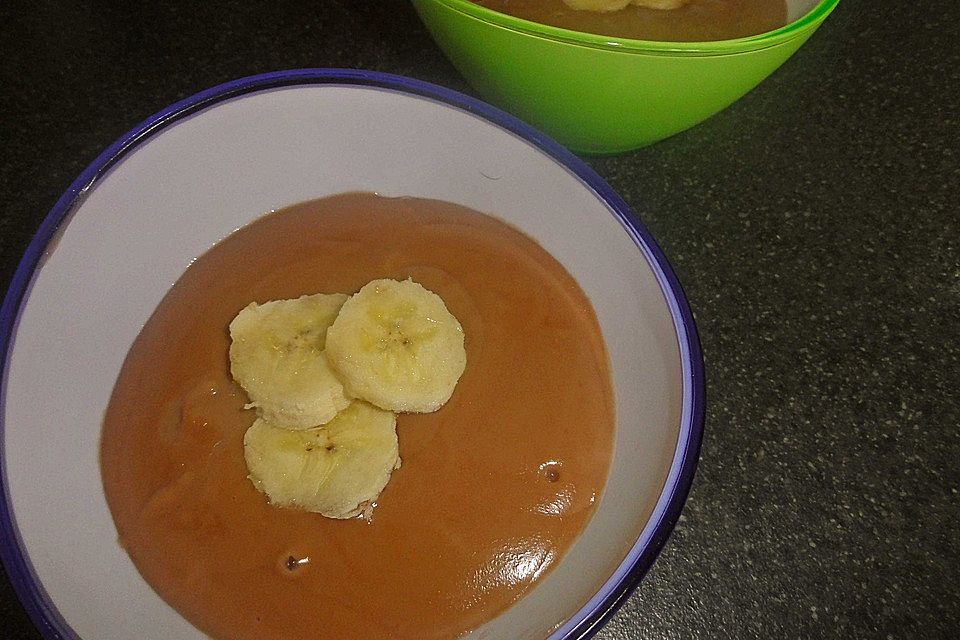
point(814, 226)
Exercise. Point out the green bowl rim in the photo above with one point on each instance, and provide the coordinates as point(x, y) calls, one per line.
point(715, 47)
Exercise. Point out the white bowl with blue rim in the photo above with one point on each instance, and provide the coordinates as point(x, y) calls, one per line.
point(168, 190)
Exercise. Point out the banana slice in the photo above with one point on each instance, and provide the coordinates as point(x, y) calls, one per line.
point(337, 470)
point(395, 344)
point(276, 355)
point(617, 5)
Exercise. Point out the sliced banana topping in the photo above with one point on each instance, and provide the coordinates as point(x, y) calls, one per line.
point(336, 470)
point(617, 5)
point(395, 344)
point(277, 356)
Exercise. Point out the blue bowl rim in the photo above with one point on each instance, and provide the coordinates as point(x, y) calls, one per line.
point(605, 603)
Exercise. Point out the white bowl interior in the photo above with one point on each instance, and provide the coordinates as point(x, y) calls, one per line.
point(206, 175)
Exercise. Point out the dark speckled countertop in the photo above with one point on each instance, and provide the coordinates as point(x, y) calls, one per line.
point(814, 226)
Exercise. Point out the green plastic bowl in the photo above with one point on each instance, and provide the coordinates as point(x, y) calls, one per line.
point(599, 94)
